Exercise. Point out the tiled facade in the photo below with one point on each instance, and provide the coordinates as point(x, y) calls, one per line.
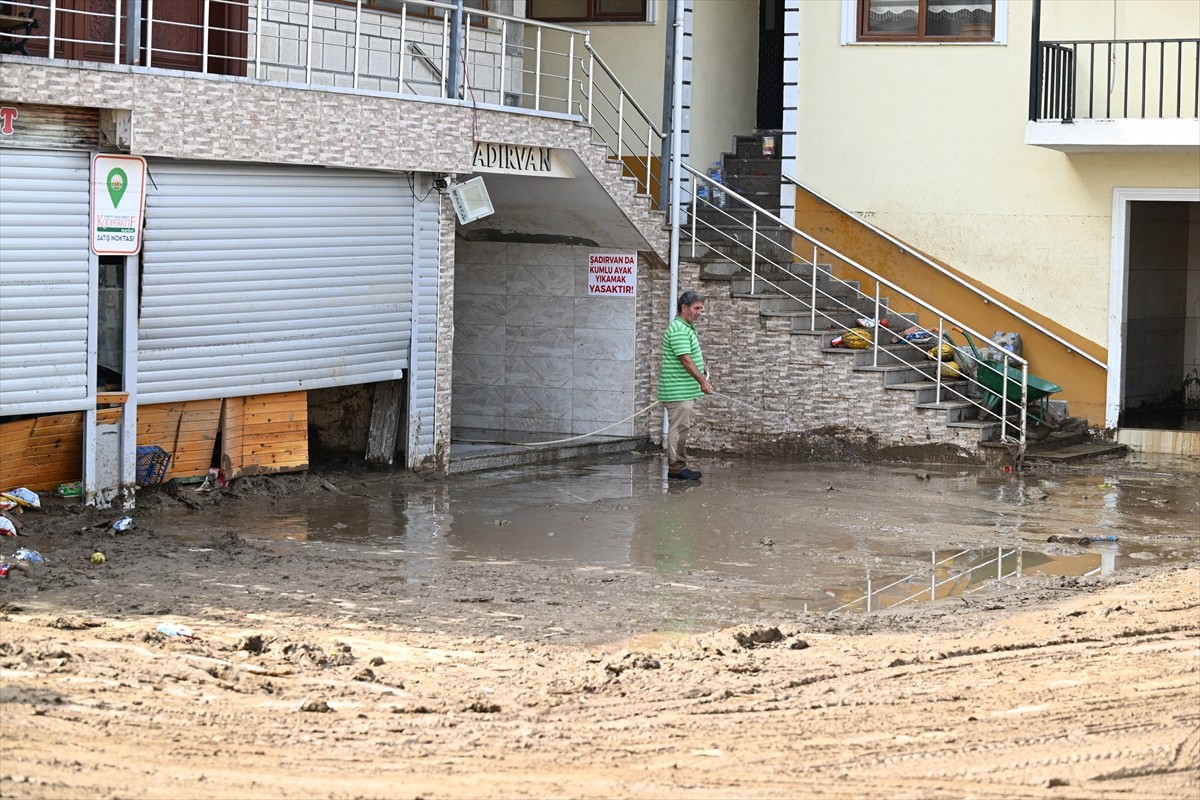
point(783, 385)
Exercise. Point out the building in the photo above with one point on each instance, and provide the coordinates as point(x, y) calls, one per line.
point(302, 279)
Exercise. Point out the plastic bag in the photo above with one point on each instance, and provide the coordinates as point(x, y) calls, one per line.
point(23, 497)
point(857, 339)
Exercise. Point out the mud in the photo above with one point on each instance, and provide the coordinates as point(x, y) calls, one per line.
point(593, 629)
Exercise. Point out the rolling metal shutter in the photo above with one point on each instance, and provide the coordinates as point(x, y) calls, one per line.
point(422, 377)
point(260, 279)
point(45, 282)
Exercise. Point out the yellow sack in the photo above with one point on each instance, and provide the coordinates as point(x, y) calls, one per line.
point(941, 352)
point(950, 369)
point(857, 339)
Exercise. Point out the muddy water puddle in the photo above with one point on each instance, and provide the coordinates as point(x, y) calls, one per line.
point(754, 537)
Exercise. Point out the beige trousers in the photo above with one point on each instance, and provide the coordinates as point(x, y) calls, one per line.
point(679, 422)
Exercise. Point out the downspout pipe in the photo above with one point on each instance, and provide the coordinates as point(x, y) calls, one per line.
point(664, 165)
point(133, 32)
point(1035, 60)
point(676, 166)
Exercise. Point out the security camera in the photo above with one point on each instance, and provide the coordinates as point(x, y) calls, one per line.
point(441, 184)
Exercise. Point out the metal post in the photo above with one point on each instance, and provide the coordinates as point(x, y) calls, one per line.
point(149, 33)
point(53, 19)
point(453, 72)
point(537, 72)
point(668, 87)
point(673, 210)
point(938, 361)
point(868, 591)
point(753, 242)
point(445, 87)
point(875, 332)
point(403, 40)
point(258, 31)
point(357, 37)
point(503, 58)
point(620, 125)
point(1035, 60)
point(117, 33)
point(812, 306)
point(207, 21)
point(649, 157)
point(932, 575)
point(591, 71)
point(570, 71)
point(308, 46)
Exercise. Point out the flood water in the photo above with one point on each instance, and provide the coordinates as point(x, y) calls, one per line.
point(773, 535)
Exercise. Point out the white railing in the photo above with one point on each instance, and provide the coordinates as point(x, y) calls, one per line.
point(975, 290)
point(999, 388)
point(943, 579)
point(415, 49)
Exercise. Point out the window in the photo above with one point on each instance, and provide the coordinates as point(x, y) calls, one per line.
point(926, 20)
point(588, 10)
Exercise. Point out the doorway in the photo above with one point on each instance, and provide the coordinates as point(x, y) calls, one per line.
point(1154, 380)
point(770, 65)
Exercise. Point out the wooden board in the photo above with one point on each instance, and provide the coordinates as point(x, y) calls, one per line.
point(41, 453)
point(264, 433)
point(188, 431)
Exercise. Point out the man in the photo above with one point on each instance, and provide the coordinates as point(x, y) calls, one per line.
point(682, 381)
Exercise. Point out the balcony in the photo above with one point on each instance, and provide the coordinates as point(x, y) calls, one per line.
point(1137, 95)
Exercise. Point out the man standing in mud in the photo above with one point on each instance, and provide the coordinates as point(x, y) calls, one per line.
point(682, 381)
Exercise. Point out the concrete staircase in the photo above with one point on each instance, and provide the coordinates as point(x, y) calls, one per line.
point(906, 377)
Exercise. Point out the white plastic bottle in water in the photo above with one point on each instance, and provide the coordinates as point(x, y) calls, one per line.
point(718, 194)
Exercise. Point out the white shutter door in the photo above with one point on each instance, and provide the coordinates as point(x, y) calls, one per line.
point(45, 281)
point(260, 279)
point(422, 374)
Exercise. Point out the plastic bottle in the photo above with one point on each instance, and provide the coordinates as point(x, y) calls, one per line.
point(1108, 537)
point(714, 173)
point(123, 524)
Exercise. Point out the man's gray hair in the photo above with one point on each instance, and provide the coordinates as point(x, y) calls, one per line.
point(689, 298)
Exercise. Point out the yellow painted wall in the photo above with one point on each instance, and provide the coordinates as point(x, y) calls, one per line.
point(725, 69)
point(927, 142)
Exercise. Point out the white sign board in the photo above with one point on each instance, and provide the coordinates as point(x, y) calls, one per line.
point(118, 198)
point(612, 274)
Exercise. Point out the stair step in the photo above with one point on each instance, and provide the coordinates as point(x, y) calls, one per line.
point(926, 391)
point(1077, 452)
point(956, 410)
point(899, 374)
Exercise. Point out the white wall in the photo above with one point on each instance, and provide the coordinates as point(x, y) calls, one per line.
point(927, 141)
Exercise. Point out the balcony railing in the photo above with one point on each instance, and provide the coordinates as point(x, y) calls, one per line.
point(414, 48)
point(1127, 79)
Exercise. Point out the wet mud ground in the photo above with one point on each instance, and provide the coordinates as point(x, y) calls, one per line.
point(590, 629)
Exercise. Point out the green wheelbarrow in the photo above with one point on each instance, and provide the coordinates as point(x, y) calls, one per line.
point(1001, 381)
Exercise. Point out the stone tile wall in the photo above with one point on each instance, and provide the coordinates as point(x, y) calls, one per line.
point(534, 352)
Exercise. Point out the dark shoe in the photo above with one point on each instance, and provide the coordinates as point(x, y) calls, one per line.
point(684, 475)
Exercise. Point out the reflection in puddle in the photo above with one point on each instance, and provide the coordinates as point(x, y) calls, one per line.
point(965, 572)
point(754, 537)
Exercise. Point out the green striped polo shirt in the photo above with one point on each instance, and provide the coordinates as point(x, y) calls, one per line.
point(676, 384)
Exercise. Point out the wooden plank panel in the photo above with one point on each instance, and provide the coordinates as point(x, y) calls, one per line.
point(41, 453)
point(265, 433)
point(188, 431)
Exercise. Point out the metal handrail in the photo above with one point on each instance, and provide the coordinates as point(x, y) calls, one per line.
point(1017, 405)
point(570, 80)
point(987, 298)
point(934, 583)
point(1067, 65)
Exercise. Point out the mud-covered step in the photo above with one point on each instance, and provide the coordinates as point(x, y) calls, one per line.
point(927, 391)
point(1076, 452)
point(956, 410)
point(899, 374)
point(891, 353)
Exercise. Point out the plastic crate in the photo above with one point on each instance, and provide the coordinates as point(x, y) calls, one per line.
point(152, 463)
